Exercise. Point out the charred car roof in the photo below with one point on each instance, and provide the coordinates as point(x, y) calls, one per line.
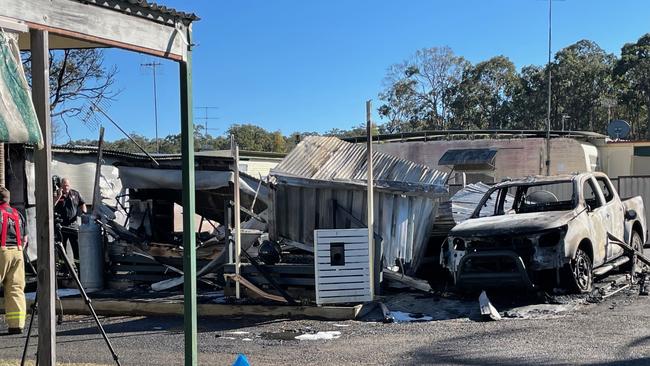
point(543, 179)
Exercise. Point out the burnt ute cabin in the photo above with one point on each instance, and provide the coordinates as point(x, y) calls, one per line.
point(529, 231)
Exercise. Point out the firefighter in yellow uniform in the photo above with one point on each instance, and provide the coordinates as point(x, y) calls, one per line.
point(12, 267)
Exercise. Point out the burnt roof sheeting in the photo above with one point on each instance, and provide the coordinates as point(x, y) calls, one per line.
point(144, 178)
point(145, 9)
point(465, 201)
point(469, 159)
point(331, 159)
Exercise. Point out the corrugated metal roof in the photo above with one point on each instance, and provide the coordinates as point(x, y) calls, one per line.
point(464, 202)
point(145, 9)
point(244, 155)
point(332, 159)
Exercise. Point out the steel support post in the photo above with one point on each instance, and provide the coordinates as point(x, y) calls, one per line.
point(189, 240)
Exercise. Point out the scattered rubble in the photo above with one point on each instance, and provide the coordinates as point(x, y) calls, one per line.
point(402, 317)
point(488, 311)
point(319, 336)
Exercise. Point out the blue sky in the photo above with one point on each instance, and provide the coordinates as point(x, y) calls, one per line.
point(310, 66)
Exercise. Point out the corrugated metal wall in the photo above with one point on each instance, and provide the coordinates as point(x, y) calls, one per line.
point(631, 186)
point(403, 222)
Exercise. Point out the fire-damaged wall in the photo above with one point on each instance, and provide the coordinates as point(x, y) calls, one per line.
point(516, 157)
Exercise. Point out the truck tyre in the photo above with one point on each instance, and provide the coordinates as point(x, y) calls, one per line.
point(580, 277)
point(635, 242)
point(637, 245)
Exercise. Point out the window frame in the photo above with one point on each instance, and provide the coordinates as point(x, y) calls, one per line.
point(608, 185)
point(596, 189)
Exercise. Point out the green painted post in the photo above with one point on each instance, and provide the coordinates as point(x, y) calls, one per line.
point(189, 241)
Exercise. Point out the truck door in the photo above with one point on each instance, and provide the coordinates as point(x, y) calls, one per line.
point(614, 215)
point(597, 220)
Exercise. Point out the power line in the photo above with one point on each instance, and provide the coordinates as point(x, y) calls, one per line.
point(153, 65)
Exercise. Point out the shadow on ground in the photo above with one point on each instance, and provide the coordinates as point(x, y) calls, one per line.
point(162, 324)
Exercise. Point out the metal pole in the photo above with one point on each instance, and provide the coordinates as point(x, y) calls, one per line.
point(98, 173)
point(237, 209)
point(189, 241)
point(44, 202)
point(155, 107)
point(153, 66)
point(371, 211)
point(548, 112)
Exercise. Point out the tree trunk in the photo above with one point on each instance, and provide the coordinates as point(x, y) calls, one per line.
point(647, 133)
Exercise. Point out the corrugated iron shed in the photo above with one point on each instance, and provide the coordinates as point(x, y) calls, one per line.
point(333, 160)
point(321, 171)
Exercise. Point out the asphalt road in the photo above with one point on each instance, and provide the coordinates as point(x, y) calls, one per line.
point(613, 332)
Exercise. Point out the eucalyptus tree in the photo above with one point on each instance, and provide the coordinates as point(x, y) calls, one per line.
point(583, 86)
point(483, 99)
point(633, 73)
point(418, 92)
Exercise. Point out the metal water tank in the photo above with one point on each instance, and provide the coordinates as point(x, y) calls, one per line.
point(91, 255)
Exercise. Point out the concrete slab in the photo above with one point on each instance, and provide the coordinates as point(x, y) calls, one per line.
point(122, 307)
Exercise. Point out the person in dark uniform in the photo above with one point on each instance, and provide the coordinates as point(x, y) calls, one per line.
point(69, 205)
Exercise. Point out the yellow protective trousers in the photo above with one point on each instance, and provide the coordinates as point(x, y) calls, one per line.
point(12, 276)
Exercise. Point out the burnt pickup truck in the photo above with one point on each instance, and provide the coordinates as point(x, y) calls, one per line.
point(551, 230)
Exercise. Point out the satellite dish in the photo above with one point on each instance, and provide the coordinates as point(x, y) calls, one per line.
point(618, 129)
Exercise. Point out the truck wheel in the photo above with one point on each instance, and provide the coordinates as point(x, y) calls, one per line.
point(581, 276)
point(636, 242)
point(637, 245)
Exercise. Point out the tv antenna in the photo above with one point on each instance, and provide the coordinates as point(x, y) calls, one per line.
point(206, 118)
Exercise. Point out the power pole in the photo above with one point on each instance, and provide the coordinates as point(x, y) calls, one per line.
point(565, 117)
point(609, 103)
point(153, 65)
point(548, 112)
